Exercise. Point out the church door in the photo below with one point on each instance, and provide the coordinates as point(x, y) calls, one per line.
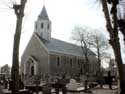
point(32, 70)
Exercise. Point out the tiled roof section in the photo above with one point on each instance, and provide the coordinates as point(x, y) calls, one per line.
point(59, 46)
point(43, 15)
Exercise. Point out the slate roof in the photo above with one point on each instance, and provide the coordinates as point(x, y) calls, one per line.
point(43, 15)
point(59, 46)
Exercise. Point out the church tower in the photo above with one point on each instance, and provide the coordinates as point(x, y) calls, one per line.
point(43, 25)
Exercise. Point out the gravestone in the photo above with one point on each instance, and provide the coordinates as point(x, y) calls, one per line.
point(72, 85)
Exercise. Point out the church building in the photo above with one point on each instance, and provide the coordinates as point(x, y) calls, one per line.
point(45, 55)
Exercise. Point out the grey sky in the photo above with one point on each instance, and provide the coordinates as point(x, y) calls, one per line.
point(64, 14)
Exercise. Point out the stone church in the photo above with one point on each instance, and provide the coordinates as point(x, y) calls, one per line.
point(45, 55)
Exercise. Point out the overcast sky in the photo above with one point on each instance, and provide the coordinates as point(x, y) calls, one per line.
point(64, 14)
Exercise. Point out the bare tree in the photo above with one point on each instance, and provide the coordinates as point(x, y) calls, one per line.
point(81, 35)
point(112, 28)
point(91, 39)
point(19, 12)
point(99, 44)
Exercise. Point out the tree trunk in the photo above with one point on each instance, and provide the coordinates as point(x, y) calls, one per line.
point(100, 76)
point(114, 41)
point(85, 52)
point(15, 63)
point(118, 59)
point(116, 46)
point(99, 60)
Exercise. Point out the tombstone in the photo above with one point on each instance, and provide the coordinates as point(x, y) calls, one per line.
point(57, 86)
point(46, 88)
point(86, 84)
point(42, 82)
point(21, 84)
point(72, 85)
point(10, 84)
point(63, 82)
point(6, 83)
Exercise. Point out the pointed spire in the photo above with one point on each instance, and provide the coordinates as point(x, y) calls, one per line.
point(43, 14)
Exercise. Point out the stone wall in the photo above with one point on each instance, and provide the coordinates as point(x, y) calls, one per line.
point(39, 54)
point(69, 65)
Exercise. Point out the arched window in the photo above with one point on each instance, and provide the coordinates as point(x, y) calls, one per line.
point(79, 63)
point(32, 70)
point(47, 26)
point(58, 61)
point(42, 25)
point(71, 62)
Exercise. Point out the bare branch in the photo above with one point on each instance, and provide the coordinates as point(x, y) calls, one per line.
point(7, 4)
